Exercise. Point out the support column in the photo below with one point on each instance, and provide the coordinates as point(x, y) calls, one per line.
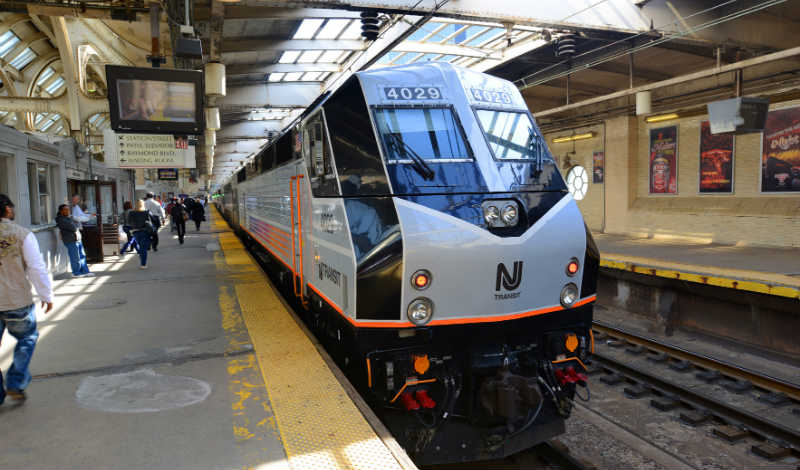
point(67, 54)
point(622, 135)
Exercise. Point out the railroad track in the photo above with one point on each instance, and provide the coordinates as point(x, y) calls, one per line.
point(740, 403)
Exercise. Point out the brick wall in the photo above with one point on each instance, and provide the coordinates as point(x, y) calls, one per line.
point(745, 216)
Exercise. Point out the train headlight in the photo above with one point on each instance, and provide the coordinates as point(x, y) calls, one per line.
point(491, 214)
point(420, 311)
point(510, 214)
point(569, 295)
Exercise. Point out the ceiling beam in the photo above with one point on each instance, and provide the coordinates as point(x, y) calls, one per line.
point(279, 95)
point(638, 72)
point(446, 49)
point(607, 15)
point(248, 43)
point(248, 69)
point(244, 12)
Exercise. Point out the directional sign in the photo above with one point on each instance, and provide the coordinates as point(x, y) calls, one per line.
point(147, 150)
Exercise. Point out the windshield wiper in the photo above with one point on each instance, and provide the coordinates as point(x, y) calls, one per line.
point(535, 146)
point(418, 163)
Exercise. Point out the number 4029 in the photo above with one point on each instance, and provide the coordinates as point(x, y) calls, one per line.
point(413, 93)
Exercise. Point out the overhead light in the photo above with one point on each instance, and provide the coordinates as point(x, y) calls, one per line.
point(662, 117)
point(571, 138)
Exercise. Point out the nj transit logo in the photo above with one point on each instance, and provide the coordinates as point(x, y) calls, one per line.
point(507, 280)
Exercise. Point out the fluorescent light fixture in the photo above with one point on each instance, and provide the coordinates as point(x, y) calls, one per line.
point(572, 138)
point(307, 28)
point(662, 117)
point(288, 57)
point(311, 76)
point(353, 31)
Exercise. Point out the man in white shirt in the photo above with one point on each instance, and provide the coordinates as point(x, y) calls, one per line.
point(21, 265)
point(157, 213)
point(77, 213)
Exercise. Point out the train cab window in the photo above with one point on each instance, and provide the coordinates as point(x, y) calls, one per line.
point(431, 134)
point(512, 135)
point(317, 155)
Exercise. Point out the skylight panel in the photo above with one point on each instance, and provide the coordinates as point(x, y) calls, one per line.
point(309, 57)
point(332, 29)
point(55, 86)
point(388, 57)
point(292, 76)
point(49, 123)
point(288, 57)
point(448, 58)
point(307, 28)
point(325, 76)
point(59, 129)
point(38, 119)
point(48, 72)
point(491, 35)
point(353, 31)
point(428, 58)
point(275, 76)
point(330, 57)
point(423, 32)
point(23, 58)
point(93, 119)
point(7, 42)
point(311, 76)
point(467, 34)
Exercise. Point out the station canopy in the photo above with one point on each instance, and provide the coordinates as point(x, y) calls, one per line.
point(278, 60)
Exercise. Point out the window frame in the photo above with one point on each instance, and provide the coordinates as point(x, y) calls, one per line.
point(35, 194)
point(317, 182)
point(475, 110)
point(459, 129)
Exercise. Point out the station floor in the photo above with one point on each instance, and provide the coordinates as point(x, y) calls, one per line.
point(774, 271)
point(193, 363)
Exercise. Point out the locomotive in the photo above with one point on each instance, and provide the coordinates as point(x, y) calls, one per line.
point(420, 220)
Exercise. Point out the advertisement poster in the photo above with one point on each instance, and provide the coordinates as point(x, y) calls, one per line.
point(664, 160)
point(168, 173)
point(716, 161)
point(780, 151)
point(598, 166)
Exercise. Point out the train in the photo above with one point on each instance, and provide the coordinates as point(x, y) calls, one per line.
point(421, 223)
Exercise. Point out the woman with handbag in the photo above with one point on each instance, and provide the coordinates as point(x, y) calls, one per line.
point(142, 226)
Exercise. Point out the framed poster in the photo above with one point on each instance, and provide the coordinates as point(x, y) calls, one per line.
point(664, 160)
point(716, 161)
point(780, 151)
point(598, 167)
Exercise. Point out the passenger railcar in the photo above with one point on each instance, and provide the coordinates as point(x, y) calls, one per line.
point(418, 216)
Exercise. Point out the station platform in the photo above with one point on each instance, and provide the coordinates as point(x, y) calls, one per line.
point(771, 271)
point(192, 363)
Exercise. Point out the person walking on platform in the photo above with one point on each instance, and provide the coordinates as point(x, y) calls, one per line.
point(178, 214)
point(157, 216)
point(141, 222)
point(21, 265)
point(196, 212)
point(168, 211)
point(71, 237)
point(131, 244)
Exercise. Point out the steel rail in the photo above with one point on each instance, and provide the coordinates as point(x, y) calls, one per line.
point(699, 401)
point(766, 382)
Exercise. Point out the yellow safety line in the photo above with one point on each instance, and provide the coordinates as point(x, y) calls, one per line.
point(752, 281)
point(318, 423)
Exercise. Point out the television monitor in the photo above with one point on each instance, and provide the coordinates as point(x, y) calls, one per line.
point(155, 100)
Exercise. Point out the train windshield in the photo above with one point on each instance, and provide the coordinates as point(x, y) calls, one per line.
point(427, 134)
point(512, 135)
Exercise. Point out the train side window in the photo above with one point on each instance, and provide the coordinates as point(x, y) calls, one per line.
point(283, 149)
point(317, 156)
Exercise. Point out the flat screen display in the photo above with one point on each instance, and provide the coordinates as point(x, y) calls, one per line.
point(155, 100)
point(152, 100)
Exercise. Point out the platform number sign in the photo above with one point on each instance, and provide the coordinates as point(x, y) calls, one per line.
point(486, 96)
point(408, 93)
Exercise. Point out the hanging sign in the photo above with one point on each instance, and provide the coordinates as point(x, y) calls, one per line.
point(148, 150)
point(664, 160)
point(599, 167)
